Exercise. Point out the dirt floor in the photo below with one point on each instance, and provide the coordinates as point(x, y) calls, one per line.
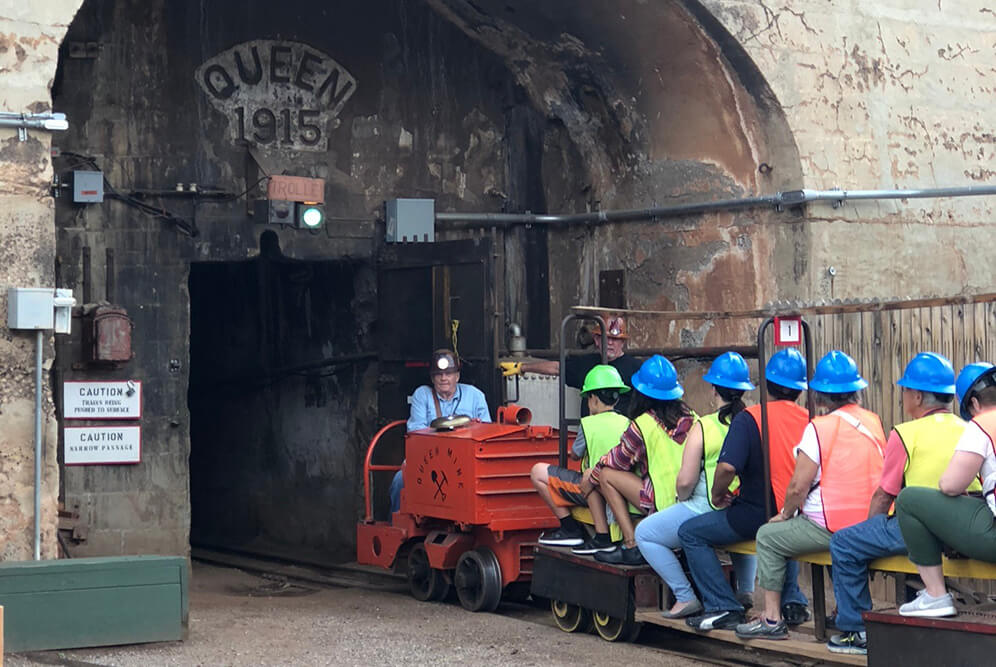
point(238, 618)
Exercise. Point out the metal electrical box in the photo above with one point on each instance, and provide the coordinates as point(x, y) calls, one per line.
point(31, 308)
point(88, 187)
point(411, 220)
point(107, 334)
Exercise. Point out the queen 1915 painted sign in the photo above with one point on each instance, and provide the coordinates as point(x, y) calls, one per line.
point(277, 94)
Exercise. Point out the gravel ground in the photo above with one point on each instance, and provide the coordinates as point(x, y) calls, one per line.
point(238, 618)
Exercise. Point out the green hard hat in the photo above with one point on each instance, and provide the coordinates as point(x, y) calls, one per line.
point(603, 376)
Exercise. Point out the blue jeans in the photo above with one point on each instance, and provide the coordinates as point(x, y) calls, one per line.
point(700, 536)
point(851, 549)
point(397, 484)
point(657, 537)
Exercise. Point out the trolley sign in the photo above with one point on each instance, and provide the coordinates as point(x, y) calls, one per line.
point(102, 445)
point(102, 400)
point(788, 330)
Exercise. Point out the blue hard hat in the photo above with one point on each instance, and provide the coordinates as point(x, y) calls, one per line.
point(969, 376)
point(929, 371)
point(729, 370)
point(787, 368)
point(837, 374)
point(657, 379)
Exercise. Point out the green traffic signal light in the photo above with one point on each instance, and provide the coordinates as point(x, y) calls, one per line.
point(310, 216)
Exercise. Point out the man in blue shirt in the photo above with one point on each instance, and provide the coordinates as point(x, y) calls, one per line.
point(446, 397)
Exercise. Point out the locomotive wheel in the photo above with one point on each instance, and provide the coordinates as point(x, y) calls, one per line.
point(613, 629)
point(424, 582)
point(478, 580)
point(570, 617)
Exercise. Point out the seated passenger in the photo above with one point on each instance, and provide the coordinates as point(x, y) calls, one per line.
point(446, 397)
point(561, 487)
point(916, 455)
point(837, 468)
point(741, 515)
point(657, 535)
point(930, 519)
point(647, 457)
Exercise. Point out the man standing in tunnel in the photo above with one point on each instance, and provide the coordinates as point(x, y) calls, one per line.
point(445, 397)
point(577, 367)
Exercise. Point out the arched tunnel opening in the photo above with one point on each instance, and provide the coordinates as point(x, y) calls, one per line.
point(481, 106)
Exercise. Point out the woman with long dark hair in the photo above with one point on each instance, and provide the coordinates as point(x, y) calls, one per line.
point(647, 457)
point(657, 535)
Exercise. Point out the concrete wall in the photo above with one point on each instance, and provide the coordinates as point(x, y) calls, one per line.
point(29, 42)
point(893, 94)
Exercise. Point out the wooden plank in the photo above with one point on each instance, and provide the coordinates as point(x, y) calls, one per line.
point(799, 643)
point(960, 336)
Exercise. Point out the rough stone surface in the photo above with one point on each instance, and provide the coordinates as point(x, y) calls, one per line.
point(29, 41)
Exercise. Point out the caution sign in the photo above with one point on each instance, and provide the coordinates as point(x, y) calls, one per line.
point(102, 400)
point(102, 445)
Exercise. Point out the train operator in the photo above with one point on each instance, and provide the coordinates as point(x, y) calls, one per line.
point(916, 454)
point(932, 518)
point(837, 468)
point(739, 517)
point(577, 367)
point(445, 397)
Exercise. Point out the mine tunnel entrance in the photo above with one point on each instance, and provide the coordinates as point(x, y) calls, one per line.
point(277, 369)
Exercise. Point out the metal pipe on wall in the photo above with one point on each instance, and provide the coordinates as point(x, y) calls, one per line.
point(778, 200)
point(39, 341)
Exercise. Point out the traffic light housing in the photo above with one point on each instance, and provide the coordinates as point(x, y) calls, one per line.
point(310, 215)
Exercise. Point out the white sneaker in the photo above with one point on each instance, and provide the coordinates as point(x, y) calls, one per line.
point(928, 606)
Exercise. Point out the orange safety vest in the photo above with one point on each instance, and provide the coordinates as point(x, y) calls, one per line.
point(786, 422)
point(850, 464)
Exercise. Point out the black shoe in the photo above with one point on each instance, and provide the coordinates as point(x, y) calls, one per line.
point(832, 621)
point(562, 538)
point(621, 556)
point(853, 643)
point(716, 620)
point(746, 599)
point(795, 613)
point(594, 545)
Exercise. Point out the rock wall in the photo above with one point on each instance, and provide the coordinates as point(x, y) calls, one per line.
point(29, 44)
point(894, 94)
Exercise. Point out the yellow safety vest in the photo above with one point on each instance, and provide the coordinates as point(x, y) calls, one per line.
point(663, 459)
point(713, 434)
point(929, 443)
point(602, 432)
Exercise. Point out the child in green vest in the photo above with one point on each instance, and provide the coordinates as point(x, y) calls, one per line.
point(560, 487)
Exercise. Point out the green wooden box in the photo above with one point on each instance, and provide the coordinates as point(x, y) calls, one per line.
point(82, 602)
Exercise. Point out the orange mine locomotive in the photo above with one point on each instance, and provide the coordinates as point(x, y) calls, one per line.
point(469, 515)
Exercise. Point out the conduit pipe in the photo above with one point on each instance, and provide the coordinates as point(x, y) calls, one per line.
point(778, 201)
point(22, 122)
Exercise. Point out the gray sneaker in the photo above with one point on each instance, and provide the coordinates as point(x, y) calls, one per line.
point(761, 629)
point(929, 607)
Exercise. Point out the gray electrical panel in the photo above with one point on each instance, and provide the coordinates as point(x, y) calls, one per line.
point(88, 187)
point(411, 220)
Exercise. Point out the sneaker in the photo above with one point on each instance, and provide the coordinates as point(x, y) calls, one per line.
point(762, 629)
point(795, 613)
point(716, 620)
point(621, 556)
point(930, 607)
point(746, 600)
point(854, 643)
point(593, 545)
point(562, 538)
